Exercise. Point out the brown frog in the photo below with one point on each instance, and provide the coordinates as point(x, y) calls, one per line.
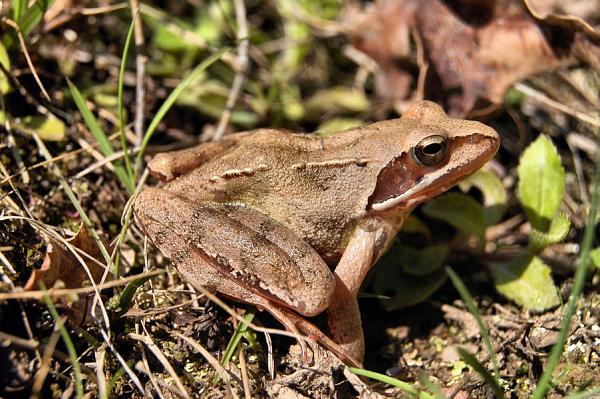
point(292, 223)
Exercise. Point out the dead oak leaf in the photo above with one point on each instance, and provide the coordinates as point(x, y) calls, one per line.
point(61, 264)
point(467, 53)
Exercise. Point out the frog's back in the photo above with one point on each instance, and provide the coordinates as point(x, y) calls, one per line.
point(315, 189)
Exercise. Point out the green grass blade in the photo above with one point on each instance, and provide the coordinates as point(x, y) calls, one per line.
point(482, 371)
point(120, 105)
point(168, 103)
point(28, 20)
point(98, 133)
point(237, 336)
point(404, 386)
point(466, 296)
point(17, 8)
point(33, 16)
point(116, 377)
point(127, 295)
point(73, 198)
point(580, 274)
point(68, 343)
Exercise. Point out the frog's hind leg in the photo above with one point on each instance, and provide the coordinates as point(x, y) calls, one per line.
point(168, 165)
point(272, 262)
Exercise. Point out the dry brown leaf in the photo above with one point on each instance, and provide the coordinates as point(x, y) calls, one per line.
point(474, 49)
point(61, 265)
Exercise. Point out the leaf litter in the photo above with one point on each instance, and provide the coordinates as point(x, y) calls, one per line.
point(467, 55)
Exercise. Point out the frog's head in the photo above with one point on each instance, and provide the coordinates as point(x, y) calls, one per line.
point(438, 152)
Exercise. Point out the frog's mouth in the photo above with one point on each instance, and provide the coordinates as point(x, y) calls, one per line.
point(405, 183)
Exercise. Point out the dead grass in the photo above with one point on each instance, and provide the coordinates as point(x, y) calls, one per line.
point(143, 331)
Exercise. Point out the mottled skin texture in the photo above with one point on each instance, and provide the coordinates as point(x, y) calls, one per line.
point(265, 216)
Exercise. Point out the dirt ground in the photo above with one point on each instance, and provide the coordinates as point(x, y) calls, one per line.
point(131, 338)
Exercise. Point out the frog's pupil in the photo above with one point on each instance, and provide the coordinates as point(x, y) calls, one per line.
point(432, 149)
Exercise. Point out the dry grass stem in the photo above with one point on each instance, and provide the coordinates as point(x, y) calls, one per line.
point(214, 363)
point(146, 340)
point(56, 293)
point(15, 26)
point(544, 99)
point(240, 73)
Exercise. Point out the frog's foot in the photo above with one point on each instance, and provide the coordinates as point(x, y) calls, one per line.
point(296, 323)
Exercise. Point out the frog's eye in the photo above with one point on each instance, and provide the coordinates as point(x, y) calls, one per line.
point(431, 150)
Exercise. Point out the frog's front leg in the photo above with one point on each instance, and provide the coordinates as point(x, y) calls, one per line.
point(236, 250)
point(343, 316)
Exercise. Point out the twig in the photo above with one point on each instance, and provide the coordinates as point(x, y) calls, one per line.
point(45, 365)
point(15, 26)
point(100, 355)
point(88, 148)
point(17, 192)
point(212, 361)
point(140, 73)
point(145, 339)
point(30, 344)
point(541, 97)
point(106, 161)
point(244, 368)
point(54, 293)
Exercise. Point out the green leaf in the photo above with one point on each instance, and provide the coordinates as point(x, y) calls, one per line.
point(337, 125)
point(292, 105)
point(545, 380)
point(48, 127)
point(30, 18)
point(165, 39)
point(342, 98)
point(494, 193)
point(459, 210)
point(514, 98)
point(559, 228)
point(541, 182)
point(527, 281)
point(17, 7)
point(414, 225)
point(5, 61)
point(595, 256)
point(126, 297)
point(470, 302)
point(240, 331)
point(402, 288)
point(417, 262)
